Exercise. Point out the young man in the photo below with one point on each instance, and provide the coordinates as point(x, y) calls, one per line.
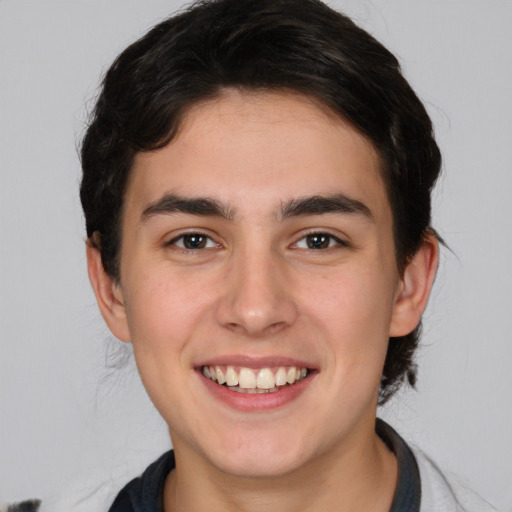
point(256, 188)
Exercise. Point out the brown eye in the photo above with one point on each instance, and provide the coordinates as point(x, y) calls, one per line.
point(193, 241)
point(319, 241)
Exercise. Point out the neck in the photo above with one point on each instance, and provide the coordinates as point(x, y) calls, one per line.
point(362, 477)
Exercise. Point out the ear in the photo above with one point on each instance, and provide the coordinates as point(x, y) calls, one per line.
point(108, 295)
point(414, 288)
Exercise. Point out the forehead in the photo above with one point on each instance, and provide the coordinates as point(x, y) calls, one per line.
point(268, 147)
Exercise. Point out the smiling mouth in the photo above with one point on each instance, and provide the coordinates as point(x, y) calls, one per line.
point(255, 381)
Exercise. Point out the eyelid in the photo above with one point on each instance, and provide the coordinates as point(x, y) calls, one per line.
point(340, 241)
point(214, 243)
point(191, 232)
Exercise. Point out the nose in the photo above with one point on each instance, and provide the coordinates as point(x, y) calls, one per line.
point(258, 299)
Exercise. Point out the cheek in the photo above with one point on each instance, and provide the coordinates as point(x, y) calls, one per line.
point(164, 309)
point(356, 300)
point(165, 314)
point(353, 312)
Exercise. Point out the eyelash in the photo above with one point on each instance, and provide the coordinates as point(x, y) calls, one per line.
point(333, 241)
point(209, 243)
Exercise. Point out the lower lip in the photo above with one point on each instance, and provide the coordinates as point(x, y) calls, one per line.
point(257, 401)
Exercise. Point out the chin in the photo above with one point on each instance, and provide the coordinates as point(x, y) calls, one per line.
point(260, 456)
point(248, 466)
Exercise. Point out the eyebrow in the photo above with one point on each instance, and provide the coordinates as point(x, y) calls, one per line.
point(320, 205)
point(303, 206)
point(172, 203)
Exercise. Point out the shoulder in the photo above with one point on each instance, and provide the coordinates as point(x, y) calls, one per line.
point(438, 494)
point(93, 494)
point(102, 493)
point(145, 493)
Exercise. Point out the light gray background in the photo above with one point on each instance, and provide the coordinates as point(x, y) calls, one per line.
point(63, 414)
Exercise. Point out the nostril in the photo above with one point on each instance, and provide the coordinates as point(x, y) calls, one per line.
point(275, 327)
point(256, 330)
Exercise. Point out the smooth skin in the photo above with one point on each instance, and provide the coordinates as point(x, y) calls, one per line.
point(252, 279)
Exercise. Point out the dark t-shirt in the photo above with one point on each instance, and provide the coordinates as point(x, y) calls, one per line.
point(145, 493)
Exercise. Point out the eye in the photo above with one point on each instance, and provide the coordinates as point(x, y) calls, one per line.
point(318, 241)
point(193, 241)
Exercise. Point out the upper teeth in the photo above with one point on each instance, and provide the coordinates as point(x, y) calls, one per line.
point(249, 378)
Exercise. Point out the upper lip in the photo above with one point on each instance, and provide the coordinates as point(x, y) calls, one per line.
point(255, 361)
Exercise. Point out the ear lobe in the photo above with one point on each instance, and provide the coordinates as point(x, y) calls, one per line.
point(108, 295)
point(414, 288)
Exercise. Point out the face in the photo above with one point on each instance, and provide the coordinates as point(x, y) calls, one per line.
point(258, 247)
